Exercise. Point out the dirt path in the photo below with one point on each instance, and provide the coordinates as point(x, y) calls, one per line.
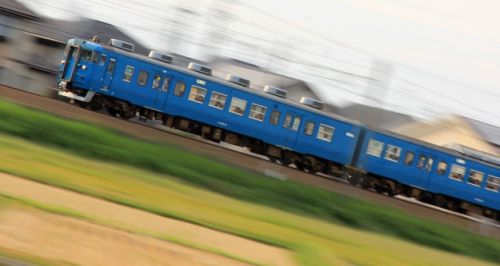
point(83, 243)
point(141, 220)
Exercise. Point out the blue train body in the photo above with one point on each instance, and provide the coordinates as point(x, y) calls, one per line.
point(184, 93)
point(289, 131)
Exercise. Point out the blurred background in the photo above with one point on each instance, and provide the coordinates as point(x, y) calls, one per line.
point(81, 187)
point(427, 72)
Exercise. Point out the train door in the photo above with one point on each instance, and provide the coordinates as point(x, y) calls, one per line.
point(425, 162)
point(161, 84)
point(174, 102)
point(70, 63)
point(292, 123)
point(108, 76)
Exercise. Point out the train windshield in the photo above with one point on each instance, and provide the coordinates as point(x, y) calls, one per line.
point(86, 55)
point(90, 56)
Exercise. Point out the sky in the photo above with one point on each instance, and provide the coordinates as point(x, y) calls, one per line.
point(442, 56)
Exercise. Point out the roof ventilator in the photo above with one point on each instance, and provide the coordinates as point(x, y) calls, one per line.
point(122, 45)
point(275, 91)
point(480, 155)
point(200, 68)
point(311, 102)
point(237, 80)
point(161, 56)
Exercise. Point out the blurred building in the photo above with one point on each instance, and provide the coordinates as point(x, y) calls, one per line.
point(260, 77)
point(32, 46)
point(456, 130)
point(373, 116)
point(15, 21)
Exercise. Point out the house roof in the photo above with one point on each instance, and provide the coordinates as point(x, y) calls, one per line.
point(63, 30)
point(457, 132)
point(14, 8)
point(260, 77)
point(488, 132)
point(373, 116)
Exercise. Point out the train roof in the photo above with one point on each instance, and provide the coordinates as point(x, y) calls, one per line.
point(229, 84)
point(467, 153)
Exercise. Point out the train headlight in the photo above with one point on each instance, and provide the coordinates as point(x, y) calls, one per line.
point(63, 61)
point(84, 67)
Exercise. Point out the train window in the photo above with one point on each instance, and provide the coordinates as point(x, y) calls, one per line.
point(217, 100)
point(428, 165)
point(296, 123)
point(143, 78)
point(288, 121)
point(309, 128)
point(441, 168)
point(129, 72)
point(111, 66)
point(493, 183)
point(375, 147)
point(74, 53)
point(325, 132)
point(457, 172)
point(180, 87)
point(102, 60)
point(257, 112)
point(410, 156)
point(166, 84)
point(197, 94)
point(475, 177)
point(156, 81)
point(421, 161)
point(392, 153)
point(238, 106)
point(86, 55)
point(95, 57)
point(275, 117)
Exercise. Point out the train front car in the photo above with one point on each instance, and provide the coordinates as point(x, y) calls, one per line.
point(82, 62)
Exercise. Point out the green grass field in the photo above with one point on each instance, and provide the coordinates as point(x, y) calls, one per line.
point(316, 241)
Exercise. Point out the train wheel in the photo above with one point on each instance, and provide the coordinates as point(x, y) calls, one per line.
point(272, 159)
point(451, 205)
point(406, 191)
point(287, 159)
point(391, 192)
point(380, 189)
point(488, 213)
point(299, 166)
point(112, 112)
point(125, 115)
point(356, 179)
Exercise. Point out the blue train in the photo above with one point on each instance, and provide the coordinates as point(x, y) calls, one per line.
point(112, 77)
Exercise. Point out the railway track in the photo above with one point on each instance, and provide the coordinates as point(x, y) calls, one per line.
point(228, 154)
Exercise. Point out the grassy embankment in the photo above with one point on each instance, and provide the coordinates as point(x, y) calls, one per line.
point(103, 144)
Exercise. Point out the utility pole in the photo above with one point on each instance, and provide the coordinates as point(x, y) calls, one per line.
point(377, 85)
point(218, 20)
